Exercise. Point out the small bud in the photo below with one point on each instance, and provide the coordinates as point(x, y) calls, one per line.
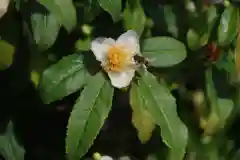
point(206, 139)
point(226, 3)
point(191, 6)
point(198, 98)
point(86, 29)
point(203, 123)
point(96, 156)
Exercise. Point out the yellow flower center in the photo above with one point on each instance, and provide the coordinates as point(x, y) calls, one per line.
point(117, 59)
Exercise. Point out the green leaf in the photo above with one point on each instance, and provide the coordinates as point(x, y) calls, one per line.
point(45, 30)
point(227, 29)
point(226, 62)
point(237, 57)
point(83, 45)
point(162, 106)
point(163, 51)
point(171, 20)
point(10, 33)
point(63, 10)
point(212, 99)
point(113, 7)
point(211, 17)
point(89, 9)
point(9, 147)
point(134, 18)
point(63, 78)
point(200, 150)
point(210, 90)
point(196, 147)
point(88, 116)
point(225, 109)
point(220, 108)
point(198, 37)
point(6, 54)
point(141, 119)
point(193, 39)
point(236, 155)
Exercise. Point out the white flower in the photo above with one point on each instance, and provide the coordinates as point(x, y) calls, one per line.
point(97, 156)
point(117, 57)
point(124, 158)
point(3, 7)
point(106, 158)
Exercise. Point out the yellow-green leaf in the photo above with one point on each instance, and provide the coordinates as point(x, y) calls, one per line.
point(6, 54)
point(83, 45)
point(35, 78)
point(225, 108)
point(142, 120)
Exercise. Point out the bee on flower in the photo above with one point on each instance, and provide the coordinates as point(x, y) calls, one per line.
point(119, 58)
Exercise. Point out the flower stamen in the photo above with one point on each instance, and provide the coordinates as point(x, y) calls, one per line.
point(117, 59)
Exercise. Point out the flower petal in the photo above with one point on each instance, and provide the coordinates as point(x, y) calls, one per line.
point(121, 79)
point(130, 39)
point(100, 46)
point(106, 158)
point(3, 7)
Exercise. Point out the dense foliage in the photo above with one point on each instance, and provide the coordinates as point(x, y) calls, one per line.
point(67, 95)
